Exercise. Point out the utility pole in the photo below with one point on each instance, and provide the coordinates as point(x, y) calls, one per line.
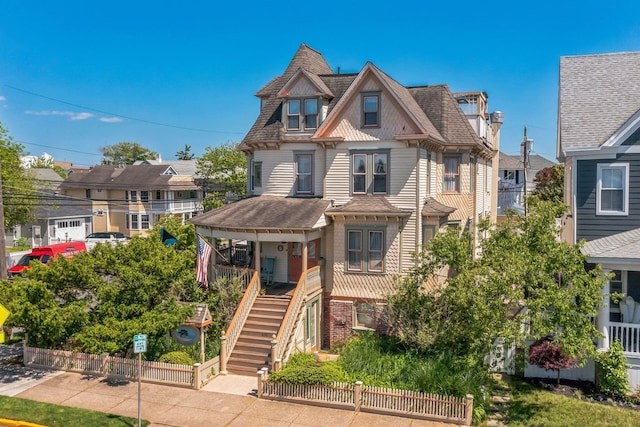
point(3, 246)
point(526, 146)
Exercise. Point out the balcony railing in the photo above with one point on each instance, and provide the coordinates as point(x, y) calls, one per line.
point(628, 334)
point(188, 205)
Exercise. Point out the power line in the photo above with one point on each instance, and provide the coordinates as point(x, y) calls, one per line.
point(121, 115)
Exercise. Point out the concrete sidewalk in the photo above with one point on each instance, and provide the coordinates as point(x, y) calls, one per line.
point(174, 406)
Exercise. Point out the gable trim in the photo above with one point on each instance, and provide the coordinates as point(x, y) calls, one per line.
point(322, 89)
point(369, 68)
point(624, 132)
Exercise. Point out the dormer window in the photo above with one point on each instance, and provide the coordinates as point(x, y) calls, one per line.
point(302, 114)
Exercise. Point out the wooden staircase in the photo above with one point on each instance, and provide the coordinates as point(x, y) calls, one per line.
point(253, 348)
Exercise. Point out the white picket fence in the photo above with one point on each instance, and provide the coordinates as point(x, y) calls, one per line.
point(194, 376)
point(456, 410)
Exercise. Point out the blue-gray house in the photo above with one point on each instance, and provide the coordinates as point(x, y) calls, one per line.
point(599, 143)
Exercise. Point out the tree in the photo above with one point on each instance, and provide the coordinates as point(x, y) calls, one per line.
point(46, 162)
point(550, 184)
point(97, 301)
point(18, 190)
point(549, 356)
point(125, 153)
point(185, 154)
point(224, 169)
point(526, 284)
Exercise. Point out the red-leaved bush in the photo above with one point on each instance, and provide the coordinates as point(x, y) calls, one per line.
point(546, 354)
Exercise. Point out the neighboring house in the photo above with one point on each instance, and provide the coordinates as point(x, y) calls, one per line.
point(349, 175)
point(599, 143)
point(131, 199)
point(58, 218)
point(511, 173)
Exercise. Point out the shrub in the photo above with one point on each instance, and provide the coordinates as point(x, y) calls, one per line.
point(177, 358)
point(612, 368)
point(546, 354)
point(302, 368)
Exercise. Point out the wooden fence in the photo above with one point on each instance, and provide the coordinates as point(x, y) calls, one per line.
point(405, 403)
point(194, 376)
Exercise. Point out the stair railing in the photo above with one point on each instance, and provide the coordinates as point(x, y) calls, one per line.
point(230, 337)
point(287, 327)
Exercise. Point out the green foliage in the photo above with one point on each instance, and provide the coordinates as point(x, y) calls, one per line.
point(612, 368)
point(524, 276)
point(224, 169)
point(125, 153)
point(18, 191)
point(550, 184)
point(97, 301)
point(177, 358)
point(185, 154)
point(310, 372)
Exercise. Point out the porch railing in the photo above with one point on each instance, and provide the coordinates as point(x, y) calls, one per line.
point(280, 346)
point(230, 273)
point(627, 333)
point(230, 338)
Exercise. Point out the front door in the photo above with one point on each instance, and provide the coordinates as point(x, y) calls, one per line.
point(295, 258)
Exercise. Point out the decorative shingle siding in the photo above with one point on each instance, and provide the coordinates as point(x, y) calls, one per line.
point(590, 226)
point(393, 120)
point(302, 87)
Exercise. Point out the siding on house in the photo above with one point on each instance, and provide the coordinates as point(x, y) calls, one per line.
point(590, 226)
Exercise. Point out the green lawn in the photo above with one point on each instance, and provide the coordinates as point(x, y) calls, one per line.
point(50, 415)
point(534, 407)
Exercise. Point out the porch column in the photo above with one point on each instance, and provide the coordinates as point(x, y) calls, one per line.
point(305, 252)
point(602, 321)
point(256, 254)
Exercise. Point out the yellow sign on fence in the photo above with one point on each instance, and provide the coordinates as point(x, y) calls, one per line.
point(4, 314)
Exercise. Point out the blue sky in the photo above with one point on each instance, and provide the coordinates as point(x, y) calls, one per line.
point(77, 76)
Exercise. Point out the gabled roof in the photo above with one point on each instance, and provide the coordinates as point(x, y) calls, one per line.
point(598, 94)
point(147, 177)
point(56, 206)
point(179, 167)
point(321, 87)
point(433, 109)
point(618, 248)
point(396, 91)
point(536, 162)
point(286, 213)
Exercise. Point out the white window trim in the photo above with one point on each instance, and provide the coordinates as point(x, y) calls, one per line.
point(625, 188)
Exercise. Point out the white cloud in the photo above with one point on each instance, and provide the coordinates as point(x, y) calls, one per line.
point(2, 98)
point(81, 116)
point(111, 119)
point(70, 114)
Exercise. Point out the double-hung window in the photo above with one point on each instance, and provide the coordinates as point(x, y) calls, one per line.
point(304, 173)
point(371, 111)
point(145, 221)
point(370, 173)
point(451, 174)
point(302, 114)
point(144, 196)
point(365, 250)
point(134, 196)
point(612, 195)
point(256, 175)
point(134, 222)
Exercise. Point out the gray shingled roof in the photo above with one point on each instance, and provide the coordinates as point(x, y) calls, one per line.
point(57, 206)
point(128, 177)
point(182, 167)
point(266, 212)
point(368, 205)
point(536, 162)
point(622, 246)
point(598, 94)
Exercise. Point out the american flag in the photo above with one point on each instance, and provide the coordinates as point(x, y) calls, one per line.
point(202, 261)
